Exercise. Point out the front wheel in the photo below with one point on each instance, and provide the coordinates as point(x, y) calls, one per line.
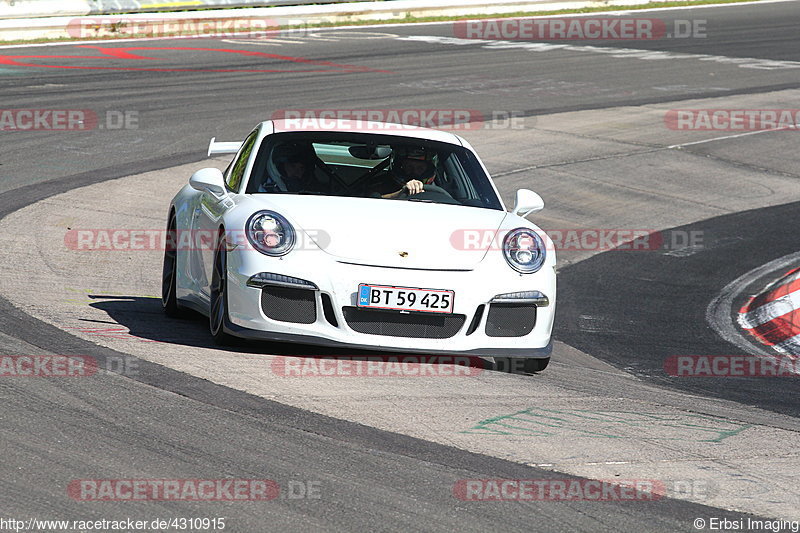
point(218, 312)
point(169, 275)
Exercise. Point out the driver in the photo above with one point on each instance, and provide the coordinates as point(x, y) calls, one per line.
point(295, 163)
point(411, 167)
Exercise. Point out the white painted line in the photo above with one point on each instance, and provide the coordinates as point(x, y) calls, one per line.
point(262, 42)
point(622, 53)
point(733, 136)
point(318, 38)
point(281, 41)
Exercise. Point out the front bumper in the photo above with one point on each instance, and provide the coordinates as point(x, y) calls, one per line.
point(326, 314)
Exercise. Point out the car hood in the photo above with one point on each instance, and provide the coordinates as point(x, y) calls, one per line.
point(392, 233)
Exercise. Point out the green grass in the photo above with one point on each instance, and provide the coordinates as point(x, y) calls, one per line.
point(407, 19)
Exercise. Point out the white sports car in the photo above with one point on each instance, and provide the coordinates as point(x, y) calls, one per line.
point(382, 237)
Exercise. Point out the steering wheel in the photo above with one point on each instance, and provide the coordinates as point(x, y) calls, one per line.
point(430, 187)
point(434, 193)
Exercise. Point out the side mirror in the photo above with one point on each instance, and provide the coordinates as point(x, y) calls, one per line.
point(527, 202)
point(209, 180)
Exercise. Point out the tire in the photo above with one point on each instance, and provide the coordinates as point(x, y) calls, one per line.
point(169, 273)
point(516, 365)
point(218, 308)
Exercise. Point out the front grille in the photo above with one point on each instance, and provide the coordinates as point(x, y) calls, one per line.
point(396, 324)
point(510, 320)
point(289, 305)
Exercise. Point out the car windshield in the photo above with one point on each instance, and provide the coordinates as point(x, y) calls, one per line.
point(370, 166)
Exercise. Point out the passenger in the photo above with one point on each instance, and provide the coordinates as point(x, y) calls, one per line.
point(295, 164)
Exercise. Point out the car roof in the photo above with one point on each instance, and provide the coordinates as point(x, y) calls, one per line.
point(363, 126)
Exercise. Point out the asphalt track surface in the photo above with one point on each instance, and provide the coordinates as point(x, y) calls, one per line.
point(168, 422)
point(616, 293)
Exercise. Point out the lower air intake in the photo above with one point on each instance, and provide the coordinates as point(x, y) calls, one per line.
point(510, 320)
point(393, 324)
point(289, 305)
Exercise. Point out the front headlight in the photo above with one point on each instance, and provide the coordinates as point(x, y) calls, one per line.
point(270, 233)
point(524, 250)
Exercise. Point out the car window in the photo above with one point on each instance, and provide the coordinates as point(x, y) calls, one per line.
point(238, 166)
point(370, 166)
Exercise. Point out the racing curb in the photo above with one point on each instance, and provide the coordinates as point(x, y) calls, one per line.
point(62, 27)
point(773, 316)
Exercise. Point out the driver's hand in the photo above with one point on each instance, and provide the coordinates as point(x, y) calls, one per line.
point(414, 187)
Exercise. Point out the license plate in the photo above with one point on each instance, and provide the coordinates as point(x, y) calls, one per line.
point(405, 298)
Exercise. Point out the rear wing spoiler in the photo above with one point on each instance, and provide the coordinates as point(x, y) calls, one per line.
point(217, 148)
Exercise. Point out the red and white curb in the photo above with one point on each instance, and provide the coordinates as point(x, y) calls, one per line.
point(773, 317)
